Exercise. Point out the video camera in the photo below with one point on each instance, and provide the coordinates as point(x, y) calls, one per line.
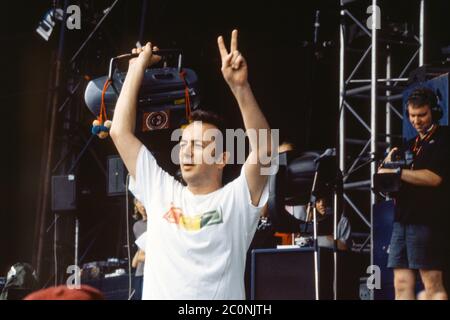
point(402, 160)
point(391, 182)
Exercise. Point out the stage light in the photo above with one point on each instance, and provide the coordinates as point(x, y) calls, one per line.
point(293, 185)
point(162, 101)
point(48, 22)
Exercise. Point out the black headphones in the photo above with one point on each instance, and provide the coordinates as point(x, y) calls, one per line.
point(434, 101)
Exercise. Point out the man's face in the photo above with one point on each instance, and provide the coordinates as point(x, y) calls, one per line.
point(198, 150)
point(420, 118)
point(321, 206)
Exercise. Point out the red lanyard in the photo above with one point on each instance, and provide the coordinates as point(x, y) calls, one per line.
point(419, 142)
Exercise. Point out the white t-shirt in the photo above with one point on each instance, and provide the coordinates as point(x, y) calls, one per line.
point(198, 243)
point(141, 241)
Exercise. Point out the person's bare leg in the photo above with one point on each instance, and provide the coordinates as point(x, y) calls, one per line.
point(404, 283)
point(434, 286)
point(422, 295)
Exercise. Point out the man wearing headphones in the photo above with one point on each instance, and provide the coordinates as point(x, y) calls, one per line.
point(418, 242)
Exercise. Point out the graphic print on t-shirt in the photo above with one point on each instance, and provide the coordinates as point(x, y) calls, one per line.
point(193, 223)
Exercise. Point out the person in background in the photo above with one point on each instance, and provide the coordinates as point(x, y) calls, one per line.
point(419, 241)
point(139, 230)
point(325, 218)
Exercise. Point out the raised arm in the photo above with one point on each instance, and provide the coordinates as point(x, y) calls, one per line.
point(122, 128)
point(235, 73)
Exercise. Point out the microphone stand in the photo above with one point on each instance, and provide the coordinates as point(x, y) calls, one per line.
point(337, 198)
point(312, 204)
point(337, 195)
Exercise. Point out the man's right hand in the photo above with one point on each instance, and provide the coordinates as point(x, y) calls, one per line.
point(389, 156)
point(124, 120)
point(146, 57)
point(387, 159)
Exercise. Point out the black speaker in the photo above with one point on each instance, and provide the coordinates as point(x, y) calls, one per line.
point(116, 176)
point(114, 288)
point(288, 274)
point(64, 194)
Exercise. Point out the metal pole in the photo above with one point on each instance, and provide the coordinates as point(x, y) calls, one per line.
point(422, 33)
point(77, 160)
point(55, 249)
point(316, 254)
point(143, 18)
point(312, 203)
point(373, 121)
point(106, 13)
point(388, 94)
point(77, 229)
point(335, 245)
point(43, 207)
point(342, 148)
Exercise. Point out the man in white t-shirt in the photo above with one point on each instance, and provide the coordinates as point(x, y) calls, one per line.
point(199, 233)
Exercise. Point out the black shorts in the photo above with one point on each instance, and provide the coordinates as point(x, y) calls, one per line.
point(416, 247)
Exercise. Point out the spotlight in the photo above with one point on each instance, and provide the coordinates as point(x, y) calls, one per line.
point(48, 22)
point(300, 178)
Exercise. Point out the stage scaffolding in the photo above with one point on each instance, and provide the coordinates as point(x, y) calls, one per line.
point(369, 99)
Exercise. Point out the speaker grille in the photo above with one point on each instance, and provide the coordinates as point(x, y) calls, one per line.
point(116, 176)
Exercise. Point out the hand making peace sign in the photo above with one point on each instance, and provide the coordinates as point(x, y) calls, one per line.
point(234, 66)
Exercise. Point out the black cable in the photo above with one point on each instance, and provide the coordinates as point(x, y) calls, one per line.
point(109, 9)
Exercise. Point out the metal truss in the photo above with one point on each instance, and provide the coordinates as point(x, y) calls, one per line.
point(363, 97)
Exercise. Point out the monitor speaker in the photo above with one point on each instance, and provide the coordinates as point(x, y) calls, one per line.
point(116, 176)
point(288, 274)
point(64, 193)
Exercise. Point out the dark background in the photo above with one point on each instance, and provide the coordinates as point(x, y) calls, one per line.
point(297, 93)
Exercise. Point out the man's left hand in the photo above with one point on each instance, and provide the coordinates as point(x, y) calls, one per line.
point(384, 170)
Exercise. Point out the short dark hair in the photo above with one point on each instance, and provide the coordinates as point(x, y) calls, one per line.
point(209, 117)
point(421, 97)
